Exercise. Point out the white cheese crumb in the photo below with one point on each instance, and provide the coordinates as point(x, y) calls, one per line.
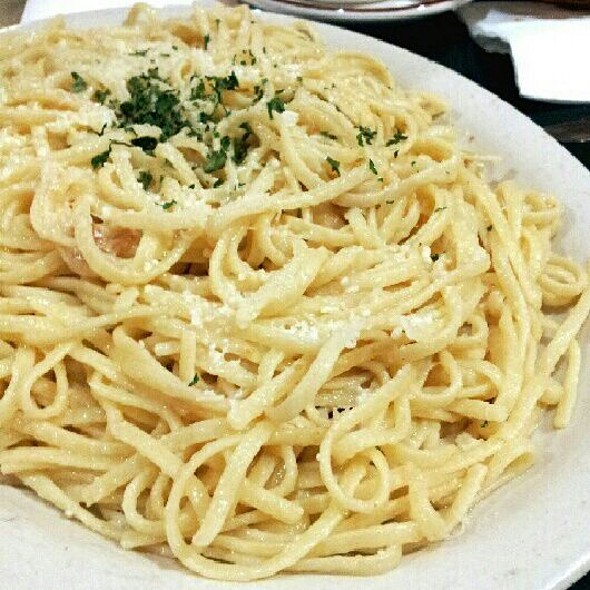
point(304, 331)
point(290, 118)
point(418, 326)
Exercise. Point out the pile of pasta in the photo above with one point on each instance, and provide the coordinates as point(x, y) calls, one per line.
point(260, 311)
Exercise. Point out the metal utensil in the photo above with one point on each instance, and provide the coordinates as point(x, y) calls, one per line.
point(576, 131)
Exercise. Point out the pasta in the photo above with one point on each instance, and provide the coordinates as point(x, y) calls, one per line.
point(260, 310)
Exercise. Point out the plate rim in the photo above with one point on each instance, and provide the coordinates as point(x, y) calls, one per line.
point(345, 14)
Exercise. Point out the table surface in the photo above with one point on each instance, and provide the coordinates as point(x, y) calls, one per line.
point(443, 38)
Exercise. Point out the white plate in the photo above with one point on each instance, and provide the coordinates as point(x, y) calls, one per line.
point(530, 535)
point(343, 11)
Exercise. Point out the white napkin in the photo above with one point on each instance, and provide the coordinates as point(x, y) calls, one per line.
point(550, 46)
point(39, 9)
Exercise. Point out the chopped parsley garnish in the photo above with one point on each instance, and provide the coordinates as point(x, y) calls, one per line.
point(153, 102)
point(258, 93)
point(199, 92)
point(372, 167)
point(216, 160)
point(145, 179)
point(241, 144)
point(328, 135)
point(100, 96)
point(139, 53)
point(365, 136)
point(399, 136)
point(230, 82)
point(99, 160)
point(206, 41)
point(194, 380)
point(145, 142)
point(225, 142)
point(78, 84)
point(275, 104)
point(438, 209)
point(211, 88)
point(169, 204)
point(334, 164)
point(434, 257)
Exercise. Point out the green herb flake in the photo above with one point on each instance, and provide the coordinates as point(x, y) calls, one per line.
point(146, 143)
point(206, 41)
point(100, 96)
point(216, 160)
point(241, 144)
point(398, 136)
point(198, 92)
point(139, 53)
point(365, 136)
point(230, 82)
point(194, 380)
point(153, 102)
point(489, 228)
point(372, 167)
point(168, 204)
point(258, 93)
point(334, 164)
point(99, 160)
point(434, 257)
point(328, 135)
point(78, 84)
point(275, 104)
point(145, 179)
point(225, 142)
point(439, 209)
